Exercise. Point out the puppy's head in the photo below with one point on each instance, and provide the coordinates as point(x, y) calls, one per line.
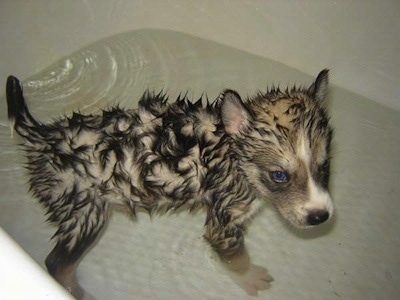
point(282, 141)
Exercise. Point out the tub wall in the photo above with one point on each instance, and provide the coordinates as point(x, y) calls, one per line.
point(358, 40)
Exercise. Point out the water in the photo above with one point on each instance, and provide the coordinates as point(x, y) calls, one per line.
point(165, 257)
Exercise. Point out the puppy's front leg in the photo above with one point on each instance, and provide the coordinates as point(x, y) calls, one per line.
point(228, 241)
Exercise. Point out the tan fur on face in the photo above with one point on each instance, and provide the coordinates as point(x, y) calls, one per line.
point(289, 138)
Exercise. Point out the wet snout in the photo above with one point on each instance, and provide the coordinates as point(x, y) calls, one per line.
point(303, 213)
point(319, 207)
point(316, 217)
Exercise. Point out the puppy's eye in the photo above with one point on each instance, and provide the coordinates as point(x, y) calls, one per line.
point(279, 176)
point(325, 166)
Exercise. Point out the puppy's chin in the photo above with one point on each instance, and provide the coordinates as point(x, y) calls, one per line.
point(307, 220)
point(298, 223)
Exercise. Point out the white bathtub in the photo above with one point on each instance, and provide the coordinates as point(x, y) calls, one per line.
point(213, 45)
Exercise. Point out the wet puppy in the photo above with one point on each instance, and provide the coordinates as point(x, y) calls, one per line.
point(224, 156)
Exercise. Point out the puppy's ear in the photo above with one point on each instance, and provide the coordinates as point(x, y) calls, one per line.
point(234, 113)
point(319, 88)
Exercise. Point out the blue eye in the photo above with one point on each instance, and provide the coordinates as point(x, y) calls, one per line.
point(279, 176)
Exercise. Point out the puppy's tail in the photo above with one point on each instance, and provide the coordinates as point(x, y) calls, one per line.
point(18, 112)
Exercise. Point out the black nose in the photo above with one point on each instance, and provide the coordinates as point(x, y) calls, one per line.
point(317, 217)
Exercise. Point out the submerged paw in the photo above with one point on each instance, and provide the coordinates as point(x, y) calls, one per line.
point(255, 279)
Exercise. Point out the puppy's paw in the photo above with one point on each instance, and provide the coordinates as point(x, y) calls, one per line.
point(255, 279)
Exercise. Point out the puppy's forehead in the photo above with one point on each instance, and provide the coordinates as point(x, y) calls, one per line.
point(303, 150)
point(297, 122)
point(285, 111)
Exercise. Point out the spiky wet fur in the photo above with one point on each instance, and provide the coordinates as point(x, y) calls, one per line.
point(164, 155)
